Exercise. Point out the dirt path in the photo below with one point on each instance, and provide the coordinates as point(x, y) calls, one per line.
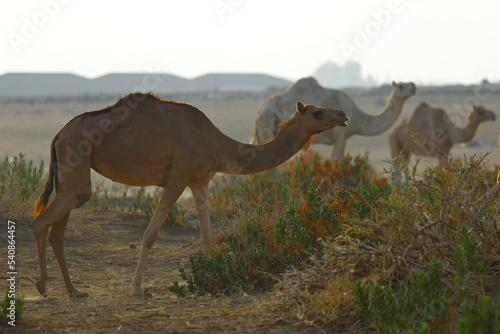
point(102, 263)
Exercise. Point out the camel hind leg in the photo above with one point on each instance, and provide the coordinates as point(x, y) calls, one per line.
point(56, 239)
point(73, 190)
point(55, 218)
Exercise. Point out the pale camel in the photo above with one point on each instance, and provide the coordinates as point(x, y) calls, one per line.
point(280, 106)
point(430, 132)
point(143, 140)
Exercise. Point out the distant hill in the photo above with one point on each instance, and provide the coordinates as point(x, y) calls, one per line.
point(23, 84)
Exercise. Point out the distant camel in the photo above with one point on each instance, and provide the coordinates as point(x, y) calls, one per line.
point(143, 140)
point(280, 106)
point(430, 132)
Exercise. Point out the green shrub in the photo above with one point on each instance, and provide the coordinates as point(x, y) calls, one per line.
point(467, 262)
point(100, 199)
point(20, 184)
point(481, 317)
point(144, 203)
point(6, 303)
point(250, 260)
point(420, 305)
point(414, 307)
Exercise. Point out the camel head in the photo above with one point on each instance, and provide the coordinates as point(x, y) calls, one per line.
point(404, 90)
point(318, 119)
point(480, 114)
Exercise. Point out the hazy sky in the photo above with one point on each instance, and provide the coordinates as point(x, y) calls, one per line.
point(429, 42)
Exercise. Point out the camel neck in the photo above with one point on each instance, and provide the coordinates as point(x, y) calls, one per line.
point(465, 133)
point(373, 125)
point(238, 158)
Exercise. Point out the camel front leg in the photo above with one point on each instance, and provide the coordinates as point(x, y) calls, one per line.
point(339, 148)
point(172, 193)
point(200, 196)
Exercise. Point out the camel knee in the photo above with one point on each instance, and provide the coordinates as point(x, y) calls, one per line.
point(39, 228)
point(81, 199)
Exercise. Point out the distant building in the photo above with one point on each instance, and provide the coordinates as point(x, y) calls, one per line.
point(332, 75)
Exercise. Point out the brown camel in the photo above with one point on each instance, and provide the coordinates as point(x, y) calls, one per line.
point(143, 140)
point(430, 132)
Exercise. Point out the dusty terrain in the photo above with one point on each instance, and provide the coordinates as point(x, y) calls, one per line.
point(97, 243)
point(102, 264)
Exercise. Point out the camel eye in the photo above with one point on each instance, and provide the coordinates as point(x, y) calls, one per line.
point(317, 114)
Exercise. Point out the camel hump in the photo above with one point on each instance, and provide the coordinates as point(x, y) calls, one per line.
point(427, 117)
point(426, 110)
point(308, 81)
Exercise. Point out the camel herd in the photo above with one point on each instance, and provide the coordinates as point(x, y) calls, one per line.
point(428, 132)
point(143, 140)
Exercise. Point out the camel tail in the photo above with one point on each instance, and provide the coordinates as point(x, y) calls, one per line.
point(43, 200)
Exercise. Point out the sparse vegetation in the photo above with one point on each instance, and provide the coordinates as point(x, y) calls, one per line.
point(482, 316)
point(20, 184)
point(431, 298)
point(11, 308)
point(338, 245)
point(433, 234)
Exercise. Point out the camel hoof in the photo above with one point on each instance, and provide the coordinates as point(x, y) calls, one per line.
point(136, 292)
point(41, 288)
point(77, 294)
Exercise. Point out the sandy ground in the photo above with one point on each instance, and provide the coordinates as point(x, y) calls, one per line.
point(102, 264)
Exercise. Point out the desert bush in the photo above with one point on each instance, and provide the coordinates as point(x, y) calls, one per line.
point(250, 259)
point(480, 317)
point(6, 304)
point(100, 199)
point(429, 297)
point(265, 244)
point(431, 237)
point(449, 214)
point(432, 300)
point(20, 184)
point(404, 308)
point(145, 203)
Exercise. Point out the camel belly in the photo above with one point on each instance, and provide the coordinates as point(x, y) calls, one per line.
point(144, 167)
point(431, 147)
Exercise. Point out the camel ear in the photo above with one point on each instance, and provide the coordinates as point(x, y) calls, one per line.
point(394, 84)
point(301, 107)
